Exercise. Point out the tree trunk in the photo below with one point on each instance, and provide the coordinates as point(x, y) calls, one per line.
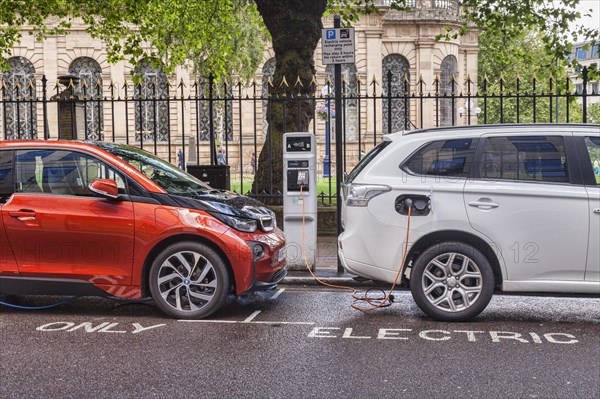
point(295, 27)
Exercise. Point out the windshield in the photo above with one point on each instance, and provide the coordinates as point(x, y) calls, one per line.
point(365, 161)
point(169, 177)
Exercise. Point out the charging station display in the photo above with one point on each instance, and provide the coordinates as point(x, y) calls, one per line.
point(298, 144)
point(300, 199)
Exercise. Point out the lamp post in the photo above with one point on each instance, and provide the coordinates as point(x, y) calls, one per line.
point(470, 110)
point(326, 92)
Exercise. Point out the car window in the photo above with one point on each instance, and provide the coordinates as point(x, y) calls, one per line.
point(366, 160)
point(443, 158)
point(593, 147)
point(61, 172)
point(528, 158)
point(171, 178)
point(6, 184)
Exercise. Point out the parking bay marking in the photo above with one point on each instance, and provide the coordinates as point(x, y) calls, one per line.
point(252, 316)
point(276, 295)
point(250, 320)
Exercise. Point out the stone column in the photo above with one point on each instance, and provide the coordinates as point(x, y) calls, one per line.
point(373, 71)
point(425, 48)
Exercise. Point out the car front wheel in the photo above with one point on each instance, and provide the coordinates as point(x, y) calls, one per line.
point(189, 280)
point(452, 281)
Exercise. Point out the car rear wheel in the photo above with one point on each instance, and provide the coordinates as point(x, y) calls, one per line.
point(189, 280)
point(452, 281)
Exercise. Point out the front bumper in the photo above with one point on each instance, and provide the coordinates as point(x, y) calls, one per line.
point(268, 269)
point(268, 285)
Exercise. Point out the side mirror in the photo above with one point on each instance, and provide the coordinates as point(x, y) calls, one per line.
point(105, 187)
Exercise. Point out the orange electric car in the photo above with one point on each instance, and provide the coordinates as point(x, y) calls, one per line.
point(112, 220)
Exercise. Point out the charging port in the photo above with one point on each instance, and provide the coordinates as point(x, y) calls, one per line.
point(421, 204)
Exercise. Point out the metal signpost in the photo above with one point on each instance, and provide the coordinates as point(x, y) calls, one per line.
point(338, 49)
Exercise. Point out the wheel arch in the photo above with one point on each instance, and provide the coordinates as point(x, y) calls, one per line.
point(438, 237)
point(145, 288)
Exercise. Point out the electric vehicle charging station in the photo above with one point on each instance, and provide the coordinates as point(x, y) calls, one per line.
point(300, 199)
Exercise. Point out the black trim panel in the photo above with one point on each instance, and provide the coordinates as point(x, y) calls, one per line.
point(585, 163)
point(267, 285)
point(48, 286)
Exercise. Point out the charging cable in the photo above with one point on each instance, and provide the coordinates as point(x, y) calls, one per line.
point(374, 302)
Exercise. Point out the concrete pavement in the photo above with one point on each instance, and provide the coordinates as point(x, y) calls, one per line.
point(325, 269)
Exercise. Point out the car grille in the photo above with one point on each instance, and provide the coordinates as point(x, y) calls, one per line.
point(277, 277)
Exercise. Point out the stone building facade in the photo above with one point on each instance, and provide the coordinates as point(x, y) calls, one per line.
point(389, 40)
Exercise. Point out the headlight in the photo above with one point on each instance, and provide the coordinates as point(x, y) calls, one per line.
point(361, 194)
point(241, 224)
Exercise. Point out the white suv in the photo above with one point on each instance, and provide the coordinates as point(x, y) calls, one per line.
point(512, 208)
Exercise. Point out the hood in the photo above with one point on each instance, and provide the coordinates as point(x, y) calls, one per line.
point(228, 203)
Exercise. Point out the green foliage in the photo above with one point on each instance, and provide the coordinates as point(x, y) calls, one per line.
point(225, 36)
point(213, 36)
point(523, 60)
point(14, 14)
point(351, 10)
point(593, 114)
point(510, 19)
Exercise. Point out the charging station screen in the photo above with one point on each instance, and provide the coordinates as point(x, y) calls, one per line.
point(297, 164)
point(297, 144)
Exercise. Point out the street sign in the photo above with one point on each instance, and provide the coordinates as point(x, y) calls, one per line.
point(338, 46)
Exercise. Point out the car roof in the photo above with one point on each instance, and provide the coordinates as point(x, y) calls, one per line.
point(531, 128)
point(45, 143)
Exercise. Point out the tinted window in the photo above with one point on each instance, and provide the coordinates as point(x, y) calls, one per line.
point(525, 158)
point(60, 172)
point(443, 158)
point(6, 184)
point(593, 146)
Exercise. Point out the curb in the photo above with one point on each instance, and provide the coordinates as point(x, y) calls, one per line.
point(329, 276)
point(342, 281)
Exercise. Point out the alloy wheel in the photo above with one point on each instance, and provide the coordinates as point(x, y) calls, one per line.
point(187, 281)
point(452, 282)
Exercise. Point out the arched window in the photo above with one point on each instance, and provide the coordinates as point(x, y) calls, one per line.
point(203, 92)
point(350, 114)
point(267, 73)
point(448, 69)
point(20, 120)
point(400, 109)
point(151, 107)
point(222, 121)
point(90, 87)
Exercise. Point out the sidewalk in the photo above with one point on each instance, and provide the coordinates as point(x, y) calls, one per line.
point(325, 269)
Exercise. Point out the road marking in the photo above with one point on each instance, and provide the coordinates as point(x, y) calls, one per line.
point(89, 327)
point(305, 323)
point(446, 335)
point(252, 316)
point(210, 321)
point(278, 293)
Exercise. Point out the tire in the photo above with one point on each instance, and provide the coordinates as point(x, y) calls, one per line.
point(189, 280)
point(452, 281)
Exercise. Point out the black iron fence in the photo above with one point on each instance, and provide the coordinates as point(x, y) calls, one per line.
point(192, 123)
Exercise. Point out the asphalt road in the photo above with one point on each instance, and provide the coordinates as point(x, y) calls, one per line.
point(301, 343)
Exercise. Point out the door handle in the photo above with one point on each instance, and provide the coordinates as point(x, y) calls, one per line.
point(484, 203)
point(24, 215)
point(596, 210)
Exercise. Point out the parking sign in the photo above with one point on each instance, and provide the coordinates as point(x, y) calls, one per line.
point(338, 46)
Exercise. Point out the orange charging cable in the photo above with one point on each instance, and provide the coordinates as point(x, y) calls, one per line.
point(373, 302)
